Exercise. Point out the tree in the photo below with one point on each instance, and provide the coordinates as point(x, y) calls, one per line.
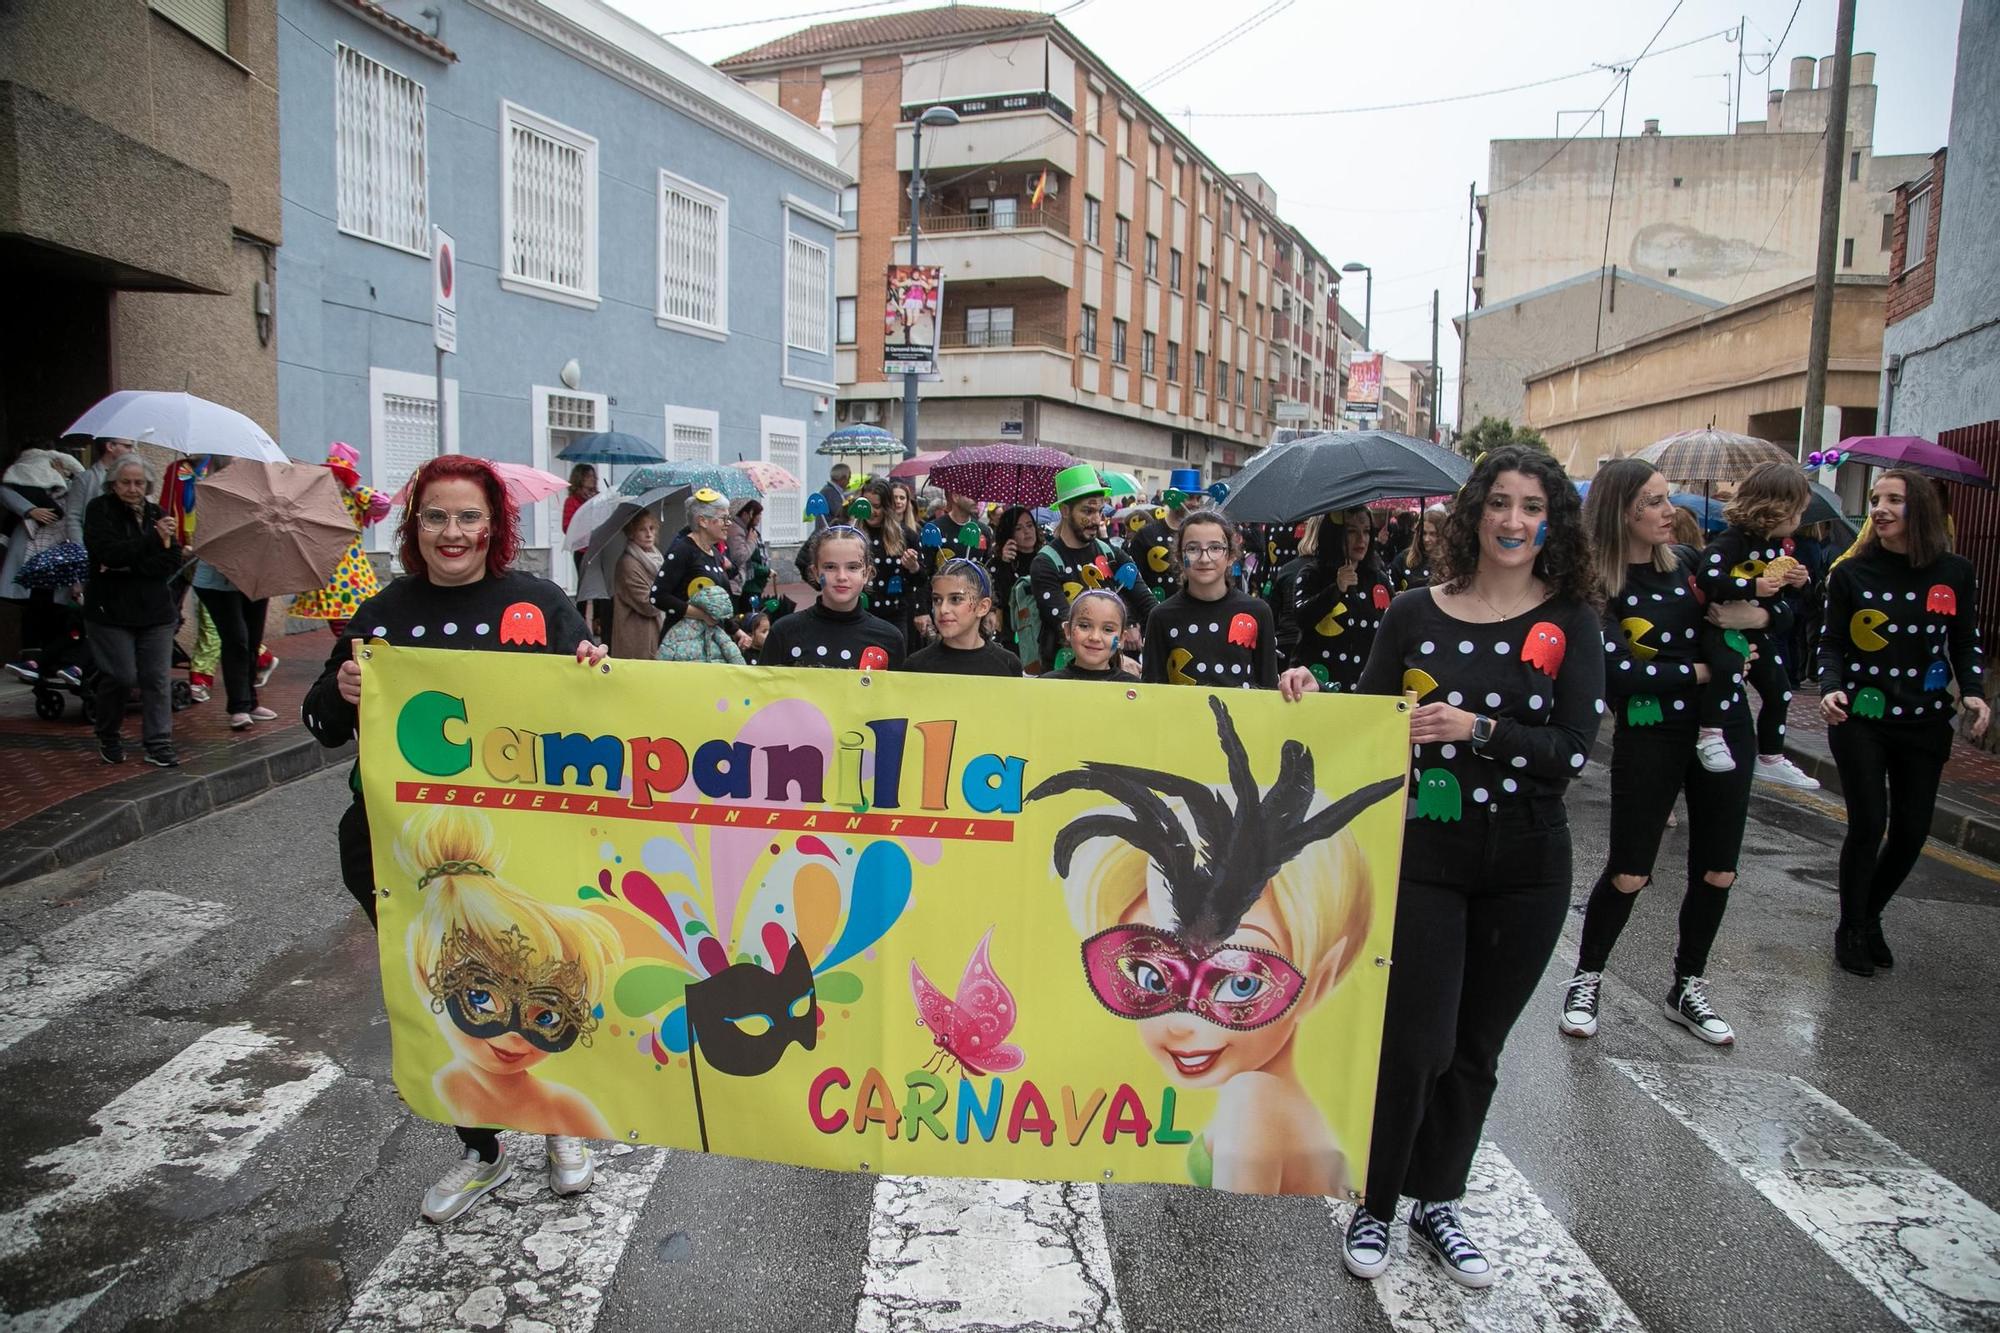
point(1492, 432)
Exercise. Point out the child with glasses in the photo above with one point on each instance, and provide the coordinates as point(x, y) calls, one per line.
point(1210, 633)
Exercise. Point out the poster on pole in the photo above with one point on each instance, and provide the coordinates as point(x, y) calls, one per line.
point(891, 923)
point(911, 315)
point(444, 291)
point(1364, 386)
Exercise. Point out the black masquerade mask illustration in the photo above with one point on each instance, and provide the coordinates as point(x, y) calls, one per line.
point(745, 1016)
point(490, 987)
point(1211, 879)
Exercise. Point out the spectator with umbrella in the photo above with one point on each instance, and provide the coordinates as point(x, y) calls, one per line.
point(129, 614)
point(239, 630)
point(636, 624)
point(696, 559)
point(353, 580)
point(749, 561)
point(582, 486)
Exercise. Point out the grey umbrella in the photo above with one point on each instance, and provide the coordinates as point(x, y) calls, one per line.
point(1324, 473)
point(607, 539)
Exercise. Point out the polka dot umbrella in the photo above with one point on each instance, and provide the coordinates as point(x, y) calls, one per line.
point(1013, 474)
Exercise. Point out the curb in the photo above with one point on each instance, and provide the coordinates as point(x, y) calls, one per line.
point(147, 804)
point(1953, 824)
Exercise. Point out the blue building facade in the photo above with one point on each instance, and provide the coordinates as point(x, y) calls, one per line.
point(642, 245)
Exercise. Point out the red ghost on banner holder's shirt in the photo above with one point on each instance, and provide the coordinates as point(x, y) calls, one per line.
point(522, 623)
point(1243, 630)
point(1941, 600)
point(874, 658)
point(1544, 648)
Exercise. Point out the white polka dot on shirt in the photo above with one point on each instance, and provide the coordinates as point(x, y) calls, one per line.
point(1502, 648)
point(798, 652)
point(1534, 701)
point(379, 631)
point(1448, 751)
point(846, 654)
point(1519, 761)
point(480, 628)
point(1492, 700)
point(1454, 698)
point(1576, 760)
point(416, 631)
point(1426, 648)
point(1465, 645)
point(821, 650)
point(1508, 784)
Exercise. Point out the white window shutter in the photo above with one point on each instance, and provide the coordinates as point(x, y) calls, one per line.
point(783, 443)
point(694, 435)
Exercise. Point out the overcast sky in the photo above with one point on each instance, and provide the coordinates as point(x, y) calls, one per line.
point(1388, 188)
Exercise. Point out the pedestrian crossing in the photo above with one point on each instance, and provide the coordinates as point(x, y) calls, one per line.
point(234, 1105)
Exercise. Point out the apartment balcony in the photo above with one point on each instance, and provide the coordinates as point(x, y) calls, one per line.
point(1027, 361)
point(1022, 244)
point(1024, 129)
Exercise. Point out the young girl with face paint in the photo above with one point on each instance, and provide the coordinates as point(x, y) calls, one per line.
point(1092, 630)
point(961, 599)
point(834, 632)
point(1210, 633)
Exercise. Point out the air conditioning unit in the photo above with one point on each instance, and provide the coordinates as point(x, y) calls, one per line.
point(868, 410)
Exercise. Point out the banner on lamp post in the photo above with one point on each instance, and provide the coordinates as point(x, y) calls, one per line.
point(911, 315)
point(1364, 386)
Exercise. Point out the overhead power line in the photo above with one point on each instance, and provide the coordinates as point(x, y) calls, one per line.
point(784, 18)
point(1779, 45)
point(1207, 49)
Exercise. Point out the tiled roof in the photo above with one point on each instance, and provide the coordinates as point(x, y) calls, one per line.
point(408, 32)
point(915, 25)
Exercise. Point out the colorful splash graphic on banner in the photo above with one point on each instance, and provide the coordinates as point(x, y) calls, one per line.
point(914, 924)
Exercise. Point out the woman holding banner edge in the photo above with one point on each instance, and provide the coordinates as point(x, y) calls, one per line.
point(458, 538)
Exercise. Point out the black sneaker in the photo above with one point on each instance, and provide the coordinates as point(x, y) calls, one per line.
point(111, 752)
point(163, 759)
point(1435, 1226)
point(1850, 950)
point(1365, 1247)
point(1579, 1006)
point(1878, 948)
point(1687, 1004)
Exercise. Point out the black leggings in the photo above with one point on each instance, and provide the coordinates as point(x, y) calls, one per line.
point(1473, 936)
point(1889, 776)
point(357, 872)
point(1650, 766)
point(239, 624)
point(1766, 675)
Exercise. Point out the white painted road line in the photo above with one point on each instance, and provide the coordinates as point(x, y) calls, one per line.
point(1927, 1249)
point(190, 1113)
point(948, 1255)
point(110, 947)
point(1545, 1281)
point(520, 1259)
point(53, 1318)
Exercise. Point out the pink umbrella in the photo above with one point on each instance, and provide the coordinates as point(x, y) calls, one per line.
point(525, 485)
point(1023, 474)
point(767, 477)
point(1917, 454)
point(912, 468)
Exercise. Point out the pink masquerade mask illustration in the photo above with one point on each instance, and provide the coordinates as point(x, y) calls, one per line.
point(1140, 972)
point(972, 1028)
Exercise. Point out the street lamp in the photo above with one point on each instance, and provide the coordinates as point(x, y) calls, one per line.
point(1368, 309)
point(938, 117)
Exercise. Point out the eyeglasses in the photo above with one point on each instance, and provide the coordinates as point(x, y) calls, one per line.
point(1206, 551)
point(1141, 972)
point(468, 520)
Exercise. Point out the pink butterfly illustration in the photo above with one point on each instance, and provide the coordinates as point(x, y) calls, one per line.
point(971, 1030)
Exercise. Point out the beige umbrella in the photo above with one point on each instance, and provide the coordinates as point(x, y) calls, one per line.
point(271, 528)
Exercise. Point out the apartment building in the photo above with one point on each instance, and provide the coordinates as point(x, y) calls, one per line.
point(1109, 290)
point(1410, 383)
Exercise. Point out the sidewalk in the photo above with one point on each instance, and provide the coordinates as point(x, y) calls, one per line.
point(60, 804)
point(1968, 804)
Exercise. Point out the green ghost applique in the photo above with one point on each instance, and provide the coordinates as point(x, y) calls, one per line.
point(1438, 796)
point(1643, 710)
point(1869, 703)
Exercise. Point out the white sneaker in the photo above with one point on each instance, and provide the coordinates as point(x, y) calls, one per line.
point(466, 1184)
point(1783, 772)
point(239, 721)
point(261, 714)
point(198, 693)
point(263, 676)
point(1713, 751)
point(1579, 1007)
point(572, 1166)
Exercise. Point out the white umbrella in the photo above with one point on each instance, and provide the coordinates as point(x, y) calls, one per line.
point(586, 518)
point(178, 421)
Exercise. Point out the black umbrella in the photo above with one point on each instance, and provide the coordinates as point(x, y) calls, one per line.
point(1824, 507)
point(1323, 474)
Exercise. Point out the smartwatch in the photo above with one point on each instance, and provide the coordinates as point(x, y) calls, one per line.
point(1482, 732)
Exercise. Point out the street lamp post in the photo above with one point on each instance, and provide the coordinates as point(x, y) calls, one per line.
point(1368, 298)
point(940, 117)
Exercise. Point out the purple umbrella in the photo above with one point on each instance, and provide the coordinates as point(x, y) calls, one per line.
point(1918, 455)
point(1014, 474)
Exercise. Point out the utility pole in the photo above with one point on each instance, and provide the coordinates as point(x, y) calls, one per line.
point(1434, 361)
point(938, 117)
point(1736, 101)
point(1812, 422)
point(1465, 330)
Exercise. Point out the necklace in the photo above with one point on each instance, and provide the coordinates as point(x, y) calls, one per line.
point(1498, 615)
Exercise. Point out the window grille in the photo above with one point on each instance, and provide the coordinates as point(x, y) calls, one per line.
point(808, 273)
point(784, 511)
point(694, 258)
point(551, 203)
point(379, 153)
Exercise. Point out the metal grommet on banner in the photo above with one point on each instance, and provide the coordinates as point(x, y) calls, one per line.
point(1131, 694)
point(605, 666)
point(1381, 960)
point(867, 679)
point(1107, 1175)
point(632, 1134)
point(866, 1167)
point(367, 653)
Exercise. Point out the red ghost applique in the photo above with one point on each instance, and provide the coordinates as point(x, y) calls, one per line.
point(1243, 630)
point(522, 623)
point(874, 658)
point(1942, 599)
point(1381, 598)
point(1544, 648)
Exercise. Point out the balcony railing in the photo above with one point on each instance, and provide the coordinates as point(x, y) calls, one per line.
point(1051, 337)
point(1021, 219)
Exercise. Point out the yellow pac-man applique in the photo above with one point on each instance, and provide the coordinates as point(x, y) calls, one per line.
point(1418, 682)
point(1329, 624)
point(1071, 591)
point(1861, 629)
point(696, 584)
point(1177, 661)
point(1156, 559)
point(1753, 568)
point(1635, 630)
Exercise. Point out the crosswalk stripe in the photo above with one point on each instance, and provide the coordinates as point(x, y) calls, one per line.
point(520, 1259)
point(53, 1318)
point(192, 1112)
point(110, 947)
point(1928, 1250)
point(1544, 1280)
point(947, 1255)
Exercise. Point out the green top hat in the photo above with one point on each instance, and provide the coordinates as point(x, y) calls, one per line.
point(1079, 483)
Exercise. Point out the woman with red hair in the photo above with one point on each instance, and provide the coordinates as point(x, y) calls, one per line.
point(457, 541)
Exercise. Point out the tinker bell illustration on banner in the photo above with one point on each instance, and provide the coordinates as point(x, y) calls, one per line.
point(1216, 930)
point(744, 968)
point(513, 981)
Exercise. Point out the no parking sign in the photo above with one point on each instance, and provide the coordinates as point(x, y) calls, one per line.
point(444, 291)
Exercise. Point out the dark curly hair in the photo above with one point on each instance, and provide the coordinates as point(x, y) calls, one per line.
point(1563, 564)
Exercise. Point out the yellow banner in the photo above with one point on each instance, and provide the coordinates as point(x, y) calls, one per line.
point(913, 924)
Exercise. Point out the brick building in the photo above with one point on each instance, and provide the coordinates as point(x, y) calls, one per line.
point(1109, 290)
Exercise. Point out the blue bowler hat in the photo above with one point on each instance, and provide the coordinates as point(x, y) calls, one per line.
point(1186, 480)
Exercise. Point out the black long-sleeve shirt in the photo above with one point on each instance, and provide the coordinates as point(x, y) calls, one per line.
point(1336, 628)
point(682, 569)
point(1057, 576)
point(988, 659)
point(895, 594)
point(837, 640)
point(1897, 636)
point(1538, 675)
point(1192, 642)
